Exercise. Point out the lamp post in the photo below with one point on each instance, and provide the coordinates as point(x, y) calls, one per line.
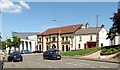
point(58, 34)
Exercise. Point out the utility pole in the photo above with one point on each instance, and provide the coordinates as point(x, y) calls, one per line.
point(97, 43)
point(97, 20)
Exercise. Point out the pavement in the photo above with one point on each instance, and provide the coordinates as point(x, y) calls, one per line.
point(96, 57)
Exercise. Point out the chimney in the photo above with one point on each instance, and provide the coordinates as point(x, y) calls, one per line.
point(102, 26)
point(87, 25)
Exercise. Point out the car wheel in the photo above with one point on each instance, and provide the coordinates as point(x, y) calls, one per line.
point(21, 60)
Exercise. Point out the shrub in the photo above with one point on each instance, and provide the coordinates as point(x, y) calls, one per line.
point(110, 50)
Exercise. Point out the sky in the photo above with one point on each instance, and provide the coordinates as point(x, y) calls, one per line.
point(39, 16)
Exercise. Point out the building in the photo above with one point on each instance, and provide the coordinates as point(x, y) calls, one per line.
point(60, 37)
point(72, 37)
point(91, 37)
point(115, 41)
point(28, 40)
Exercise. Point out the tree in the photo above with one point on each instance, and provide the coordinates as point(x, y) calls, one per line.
point(3, 45)
point(115, 29)
point(16, 42)
point(9, 44)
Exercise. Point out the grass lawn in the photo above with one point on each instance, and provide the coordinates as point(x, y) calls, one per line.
point(79, 52)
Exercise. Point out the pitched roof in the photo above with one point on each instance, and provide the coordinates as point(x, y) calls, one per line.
point(24, 35)
point(91, 30)
point(62, 30)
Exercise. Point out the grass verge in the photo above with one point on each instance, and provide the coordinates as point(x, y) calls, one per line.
point(79, 52)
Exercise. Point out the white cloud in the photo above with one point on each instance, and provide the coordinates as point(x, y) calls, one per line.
point(22, 3)
point(8, 6)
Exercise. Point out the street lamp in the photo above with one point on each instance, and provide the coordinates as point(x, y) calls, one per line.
point(58, 34)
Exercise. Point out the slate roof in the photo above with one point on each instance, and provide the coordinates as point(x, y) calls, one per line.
point(91, 30)
point(24, 35)
point(62, 30)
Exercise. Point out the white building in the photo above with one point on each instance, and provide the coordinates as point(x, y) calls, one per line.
point(115, 41)
point(72, 37)
point(91, 37)
point(60, 37)
point(28, 41)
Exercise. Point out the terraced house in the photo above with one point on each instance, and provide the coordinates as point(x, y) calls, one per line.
point(60, 37)
point(72, 37)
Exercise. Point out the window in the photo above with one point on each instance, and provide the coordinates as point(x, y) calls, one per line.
point(66, 38)
point(90, 38)
point(62, 38)
point(26, 45)
point(22, 45)
point(80, 38)
point(53, 38)
point(47, 39)
point(30, 46)
point(79, 46)
point(62, 47)
point(40, 40)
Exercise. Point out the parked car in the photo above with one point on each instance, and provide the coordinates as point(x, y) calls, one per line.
point(15, 57)
point(25, 52)
point(36, 51)
point(52, 54)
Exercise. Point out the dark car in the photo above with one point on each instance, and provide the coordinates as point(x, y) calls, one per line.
point(36, 51)
point(25, 52)
point(15, 57)
point(52, 54)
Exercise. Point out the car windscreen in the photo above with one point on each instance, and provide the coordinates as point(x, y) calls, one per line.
point(14, 54)
point(55, 51)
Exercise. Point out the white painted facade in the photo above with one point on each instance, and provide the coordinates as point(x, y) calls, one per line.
point(26, 44)
point(102, 41)
point(115, 41)
point(84, 39)
point(73, 41)
point(102, 38)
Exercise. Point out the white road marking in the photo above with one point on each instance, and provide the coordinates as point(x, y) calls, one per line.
point(74, 64)
point(103, 67)
point(79, 65)
point(50, 66)
point(92, 67)
point(53, 60)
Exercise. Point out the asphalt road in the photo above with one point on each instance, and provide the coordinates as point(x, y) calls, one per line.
point(37, 61)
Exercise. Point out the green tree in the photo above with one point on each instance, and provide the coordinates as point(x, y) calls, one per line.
point(9, 44)
point(3, 45)
point(16, 42)
point(115, 29)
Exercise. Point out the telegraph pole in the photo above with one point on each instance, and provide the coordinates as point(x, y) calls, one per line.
point(97, 20)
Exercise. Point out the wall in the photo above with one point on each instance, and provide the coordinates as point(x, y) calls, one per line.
point(85, 39)
point(102, 38)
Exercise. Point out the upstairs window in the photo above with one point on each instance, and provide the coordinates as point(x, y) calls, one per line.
point(62, 38)
point(53, 38)
point(80, 38)
point(47, 39)
point(91, 38)
point(39, 40)
point(66, 38)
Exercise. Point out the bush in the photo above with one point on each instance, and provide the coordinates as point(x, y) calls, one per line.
point(110, 50)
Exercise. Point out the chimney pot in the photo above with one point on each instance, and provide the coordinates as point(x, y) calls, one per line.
point(102, 26)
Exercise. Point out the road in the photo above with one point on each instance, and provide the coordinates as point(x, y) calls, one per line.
point(36, 61)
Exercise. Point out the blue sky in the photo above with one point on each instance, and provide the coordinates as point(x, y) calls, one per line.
point(40, 16)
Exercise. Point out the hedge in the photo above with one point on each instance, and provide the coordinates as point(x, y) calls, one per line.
point(107, 50)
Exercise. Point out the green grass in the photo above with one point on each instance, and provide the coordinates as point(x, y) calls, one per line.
point(79, 52)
